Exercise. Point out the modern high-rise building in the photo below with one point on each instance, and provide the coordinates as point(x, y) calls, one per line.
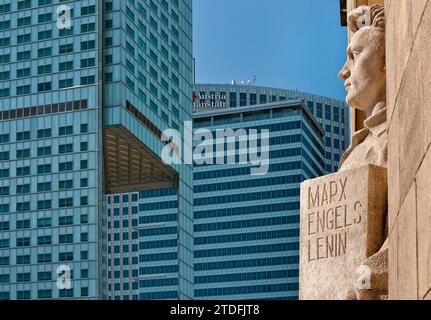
point(332, 114)
point(142, 233)
point(86, 89)
point(247, 225)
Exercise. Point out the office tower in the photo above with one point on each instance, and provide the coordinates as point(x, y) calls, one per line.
point(246, 225)
point(84, 102)
point(332, 115)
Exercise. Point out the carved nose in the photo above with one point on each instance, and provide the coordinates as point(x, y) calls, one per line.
point(344, 73)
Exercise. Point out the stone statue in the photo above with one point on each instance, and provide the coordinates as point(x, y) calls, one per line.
point(365, 80)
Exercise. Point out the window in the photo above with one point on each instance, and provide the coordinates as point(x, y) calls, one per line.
point(65, 32)
point(66, 48)
point(65, 221)
point(44, 240)
point(4, 138)
point(65, 148)
point(66, 83)
point(65, 166)
point(4, 42)
point(23, 55)
point(65, 238)
point(23, 38)
point(65, 66)
point(65, 202)
point(44, 222)
point(88, 45)
point(44, 169)
point(88, 27)
point(84, 128)
point(90, 10)
point(84, 201)
point(23, 242)
point(84, 146)
point(43, 133)
point(44, 186)
point(90, 62)
point(44, 69)
point(44, 258)
point(84, 164)
point(44, 35)
point(88, 80)
point(24, 21)
point(65, 256)
point(84, 183)
point(65, 184)
point(45, 17)
point(44, 205)
point(44, 52)
point(23, 154)
point(45, 86)
point(22, 171)
point(23, 224)
point(65, 131)
point(21, 90)
point(43, 151)
point(23, 188)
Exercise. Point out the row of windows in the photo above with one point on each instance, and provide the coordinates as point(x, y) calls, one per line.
point(246, 171)
point(43, 151)
point(144, 284)
point(42, 35)
point(44, 187)
point(42, 240)
point(125, 198)
point(247, 290)
point(42, 133)
point(47, 86)
point(158, 206)
point(47, 69)
point(44, 205)
point(255, 249)
point(44, 294)
point(238, 211)
point(250, 276)
point(255, 196)
point(43, 169)
point(264, 222)
point(44, 52)
point(42, 222)
point(251, 236)
point(28, 4)
point(42, 258)
point(238, 264)
point(43, 110)
point(247, 184)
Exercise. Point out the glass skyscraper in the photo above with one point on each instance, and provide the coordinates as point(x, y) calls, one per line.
point(332, 114)
point(247, 226)
point(83, 103)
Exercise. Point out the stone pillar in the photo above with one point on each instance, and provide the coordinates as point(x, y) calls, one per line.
point(409, 171)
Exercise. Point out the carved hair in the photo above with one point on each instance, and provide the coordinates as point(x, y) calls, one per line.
point(367, 16)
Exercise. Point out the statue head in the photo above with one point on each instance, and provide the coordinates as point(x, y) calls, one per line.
point(365, 70)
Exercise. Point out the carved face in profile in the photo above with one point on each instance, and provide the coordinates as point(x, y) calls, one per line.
point(364, 72)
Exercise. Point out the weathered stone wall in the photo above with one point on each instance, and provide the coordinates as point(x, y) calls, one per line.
point(409, 119)
point(408, 38)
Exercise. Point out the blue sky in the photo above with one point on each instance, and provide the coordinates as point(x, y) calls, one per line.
point(291, 44)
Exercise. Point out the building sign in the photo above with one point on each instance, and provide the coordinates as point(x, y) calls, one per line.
point(202, 100)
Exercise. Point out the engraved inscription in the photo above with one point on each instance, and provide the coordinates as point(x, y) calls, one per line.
point(328, 220)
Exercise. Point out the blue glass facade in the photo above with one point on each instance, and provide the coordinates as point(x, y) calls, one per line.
point(246, 226)
point(123, 71)
point(332, 115)
point(148, 72)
